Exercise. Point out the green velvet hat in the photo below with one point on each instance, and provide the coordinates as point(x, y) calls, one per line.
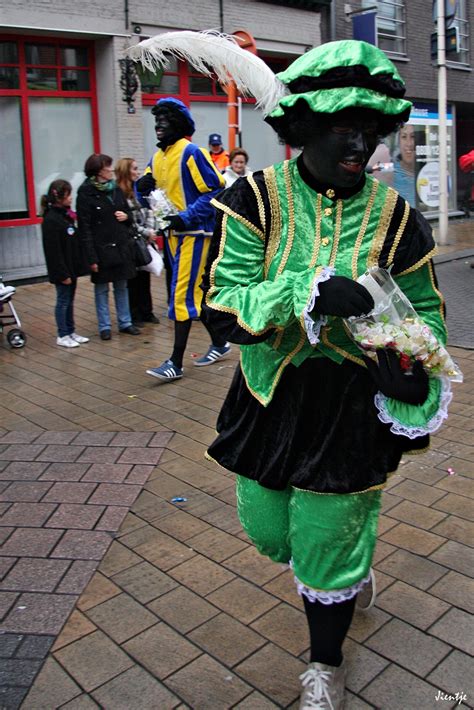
point(341, 75)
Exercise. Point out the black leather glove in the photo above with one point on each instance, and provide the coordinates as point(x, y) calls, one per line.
point(146, 184)
point(340, 296)
point(393, 382)
point(175, 222)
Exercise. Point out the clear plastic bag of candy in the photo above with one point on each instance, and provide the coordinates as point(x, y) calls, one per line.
point(161, 207)
point(394, 323)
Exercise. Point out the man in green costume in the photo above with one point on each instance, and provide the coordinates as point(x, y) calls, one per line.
point(310, 427)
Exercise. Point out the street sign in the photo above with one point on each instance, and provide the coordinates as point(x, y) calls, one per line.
point(452, 42)
point(450, 8)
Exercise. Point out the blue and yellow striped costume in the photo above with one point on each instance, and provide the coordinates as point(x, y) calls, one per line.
point(187, 175)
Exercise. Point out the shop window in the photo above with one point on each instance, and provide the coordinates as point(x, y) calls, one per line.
point(391, 25)
point(49, 120)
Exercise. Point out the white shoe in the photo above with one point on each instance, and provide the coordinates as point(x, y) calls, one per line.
point(6, 291)
point(323, 687)
point(67, 342)
point(367, 595)
point(79, 338)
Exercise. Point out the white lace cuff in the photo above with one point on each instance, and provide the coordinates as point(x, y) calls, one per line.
point(313, 327)
point(332, 596)
point(412, 432)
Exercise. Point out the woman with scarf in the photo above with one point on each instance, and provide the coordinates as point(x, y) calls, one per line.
point(104, 225)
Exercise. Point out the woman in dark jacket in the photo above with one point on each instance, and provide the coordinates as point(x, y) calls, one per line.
point(104, 226)
point(63, 258)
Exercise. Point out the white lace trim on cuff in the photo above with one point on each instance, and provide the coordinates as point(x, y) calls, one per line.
point(313, 327)
point(430, 427)
point(332, 596)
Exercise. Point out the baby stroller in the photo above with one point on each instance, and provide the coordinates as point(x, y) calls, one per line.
point(16, 337)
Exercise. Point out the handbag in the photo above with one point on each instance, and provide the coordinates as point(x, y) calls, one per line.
point(109, 255)
point(155, 266)
point(142, 256)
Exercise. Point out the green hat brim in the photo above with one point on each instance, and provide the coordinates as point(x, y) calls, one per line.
point(334, 100)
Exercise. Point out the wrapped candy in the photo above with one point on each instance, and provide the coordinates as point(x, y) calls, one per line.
point(161, 207)
point(394, 323)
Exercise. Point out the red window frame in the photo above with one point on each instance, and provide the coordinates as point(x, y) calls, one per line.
point(24, 93)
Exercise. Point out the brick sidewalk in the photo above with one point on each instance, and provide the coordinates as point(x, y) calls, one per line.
point(182, 612)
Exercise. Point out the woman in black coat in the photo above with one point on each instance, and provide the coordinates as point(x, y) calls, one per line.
point(63, 258)
point(104, 226)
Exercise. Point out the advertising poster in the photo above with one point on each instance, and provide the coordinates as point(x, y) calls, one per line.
point(408, 160)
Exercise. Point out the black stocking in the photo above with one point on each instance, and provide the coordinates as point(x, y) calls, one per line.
point(181, 334)
point(328, 626)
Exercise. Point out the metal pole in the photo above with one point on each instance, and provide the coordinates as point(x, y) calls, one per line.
point(442, 133)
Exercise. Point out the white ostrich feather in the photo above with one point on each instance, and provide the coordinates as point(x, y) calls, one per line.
point(213, 52)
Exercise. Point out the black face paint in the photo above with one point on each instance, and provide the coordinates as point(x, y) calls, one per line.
point(340, 147)
point(166, 132)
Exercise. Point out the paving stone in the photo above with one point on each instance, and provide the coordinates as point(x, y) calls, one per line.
point(118, 557)
point(139, 474)
point(11, 698)
point(28, 514)
point(284, 587)
point(4, 535)
point(253, 566)
point(10, 642)
point(75, 628)
point(7, 599)
point(82, 702)
point(161, 438)
point(82, 544)
point(32, 574)
point(182, 609)
point(107, 472)
point(224, 517)
point(37, 613)
point(457, 505)
point(409, 647)
point(418, 515)
point(180, 525)
point(216, 544)
point(140, 456)
point(25, 491)
point(286, 627)
point(101, 454)
point(65, 472)
point(204, 683)
point(456, 529)
point(77, 577)
point(70, 515)
point(242, 600)
point(93, 660)
point(161, 650)
point(97, 591)
point(59, 453)
point(365, 623)
point(456, 589)
point(259, 670)
point(6, 563)
point(131, 438)
point(94, 438)
point(56, 437)
point(424, 474)
point(115, 494)
point(147, 534)
point(30, 541)
point(457, 484)
point(144, 582)
point(416, 492)
point(457, 628)
point(413, 539)
point(18, 672)
point(69, 492)
point(22, 452)
point(454, 675)
point(35, 647)
point(121, 617)
point(363, 665)
point(112, 518)
point(201, 575)
point(412, 605)
point(23, 471)
point(226, 639)
point(255, 701)
point(394, 686)
point(18, 437)
point(165, 553)
point(413, 569)
point(135, 689)
point(456, 556)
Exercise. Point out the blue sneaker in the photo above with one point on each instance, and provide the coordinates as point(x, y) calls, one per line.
point(167, 371)
point(213, 355)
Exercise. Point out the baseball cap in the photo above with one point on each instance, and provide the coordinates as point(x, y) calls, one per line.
point(215, 139)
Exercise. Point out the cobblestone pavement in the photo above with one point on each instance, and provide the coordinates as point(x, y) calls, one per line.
point(172, 607)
